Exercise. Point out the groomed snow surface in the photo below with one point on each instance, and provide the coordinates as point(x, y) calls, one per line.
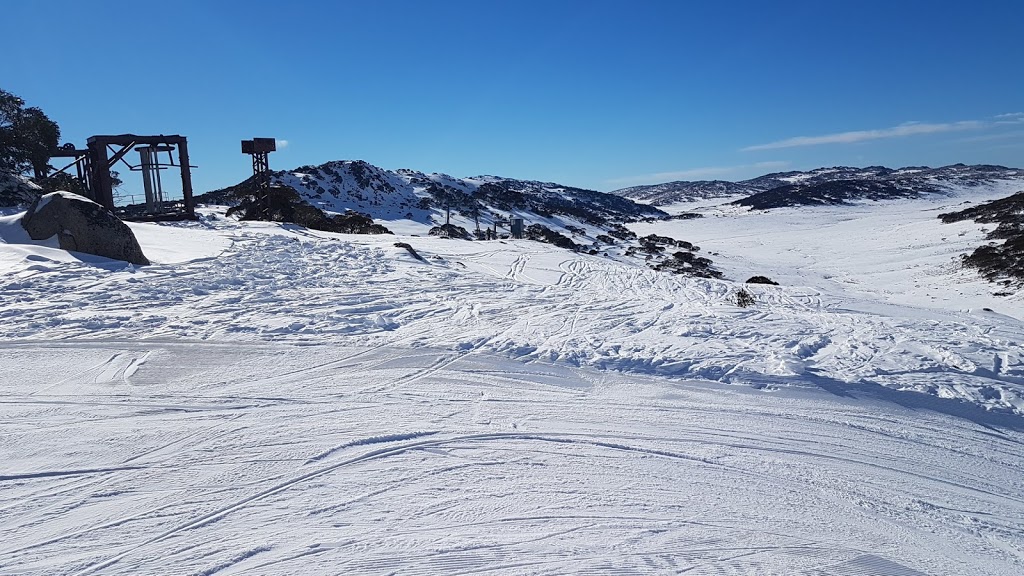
point(270, 400)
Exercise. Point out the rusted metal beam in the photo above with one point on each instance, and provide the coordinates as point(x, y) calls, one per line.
point(186, 179)
point(124, 139)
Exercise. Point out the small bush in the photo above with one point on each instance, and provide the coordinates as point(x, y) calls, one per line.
point(744, 299)
point(449, 231)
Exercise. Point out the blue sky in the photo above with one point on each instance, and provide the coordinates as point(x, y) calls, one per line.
point(597, 94)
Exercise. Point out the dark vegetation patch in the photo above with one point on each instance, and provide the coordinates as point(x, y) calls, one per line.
point(829, 193)
point(548, 199)
point(621, 232)
point(744, 299)
point(1002, 263)
point(662, 253)
point(450, 231)
point(542, 233)
point(283, 204)
point(685, 216)
point(761, 280)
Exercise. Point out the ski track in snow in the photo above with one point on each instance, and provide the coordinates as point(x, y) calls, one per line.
point(486, 463)
point(523, 300)
point(312, 403)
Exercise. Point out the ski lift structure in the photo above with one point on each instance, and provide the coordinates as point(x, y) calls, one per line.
point(93, 164)
point(515, 225)
point(260, 149)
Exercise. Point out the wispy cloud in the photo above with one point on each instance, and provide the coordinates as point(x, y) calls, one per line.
point(1016, 134)
point(1013, 118)
point(281, 144)
point(906, 129)
point(705, 173)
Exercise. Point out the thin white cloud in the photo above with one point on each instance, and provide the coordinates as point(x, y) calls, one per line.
point(906, 129)
point(281, 144)
point(990, 137)
point(1011, 119)
point(706, 173)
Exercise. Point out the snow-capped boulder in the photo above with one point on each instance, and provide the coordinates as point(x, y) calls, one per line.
point(82, 225)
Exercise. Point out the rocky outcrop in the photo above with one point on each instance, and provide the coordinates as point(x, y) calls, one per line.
point(16, 190)
point(1002, 263)
point(82, 225)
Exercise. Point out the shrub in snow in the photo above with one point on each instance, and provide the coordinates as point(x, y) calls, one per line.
point(285, 205)
point(761, 280)
point(542, 233)
point(621, 232)
point(1002, 263)
point(450, 231)
point(744, 299)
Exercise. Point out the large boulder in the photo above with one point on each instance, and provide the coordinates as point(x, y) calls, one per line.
point(82, 225)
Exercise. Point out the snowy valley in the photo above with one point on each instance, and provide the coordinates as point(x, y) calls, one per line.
point(270, 399)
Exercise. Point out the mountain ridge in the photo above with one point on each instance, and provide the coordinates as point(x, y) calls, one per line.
point(826, 185)
point(358, 186)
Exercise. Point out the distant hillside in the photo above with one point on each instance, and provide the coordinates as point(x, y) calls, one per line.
point(836, 185)
point(684, 191)
point(998, 262)
point(355, 185)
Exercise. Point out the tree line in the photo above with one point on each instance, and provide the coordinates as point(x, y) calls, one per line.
point(27, 137)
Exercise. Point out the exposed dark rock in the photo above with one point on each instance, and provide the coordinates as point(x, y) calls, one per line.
point(410, 249)
point(385, 193)
point(685, 216)
point(286, 206)
point(997, 262)
point(542, 233)
point(834, 192)
point(655, 239)
point(688, 263)
point(835, 185)
point(761, 280)
point(450, 231)
point(621, 232)
point(82, 225)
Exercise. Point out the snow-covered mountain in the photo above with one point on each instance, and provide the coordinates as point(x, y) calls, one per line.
point(685, 191)
point(386, 195)
point(836, 185)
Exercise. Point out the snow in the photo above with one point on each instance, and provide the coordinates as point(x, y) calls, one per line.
point(272, 400)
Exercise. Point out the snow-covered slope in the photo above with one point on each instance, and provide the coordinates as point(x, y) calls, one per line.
point(268, 399)
point(685, 191)
point(406, 197)
point(836, 185)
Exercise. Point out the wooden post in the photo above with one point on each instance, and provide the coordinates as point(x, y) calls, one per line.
point(103, 192)
point(186, 178)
